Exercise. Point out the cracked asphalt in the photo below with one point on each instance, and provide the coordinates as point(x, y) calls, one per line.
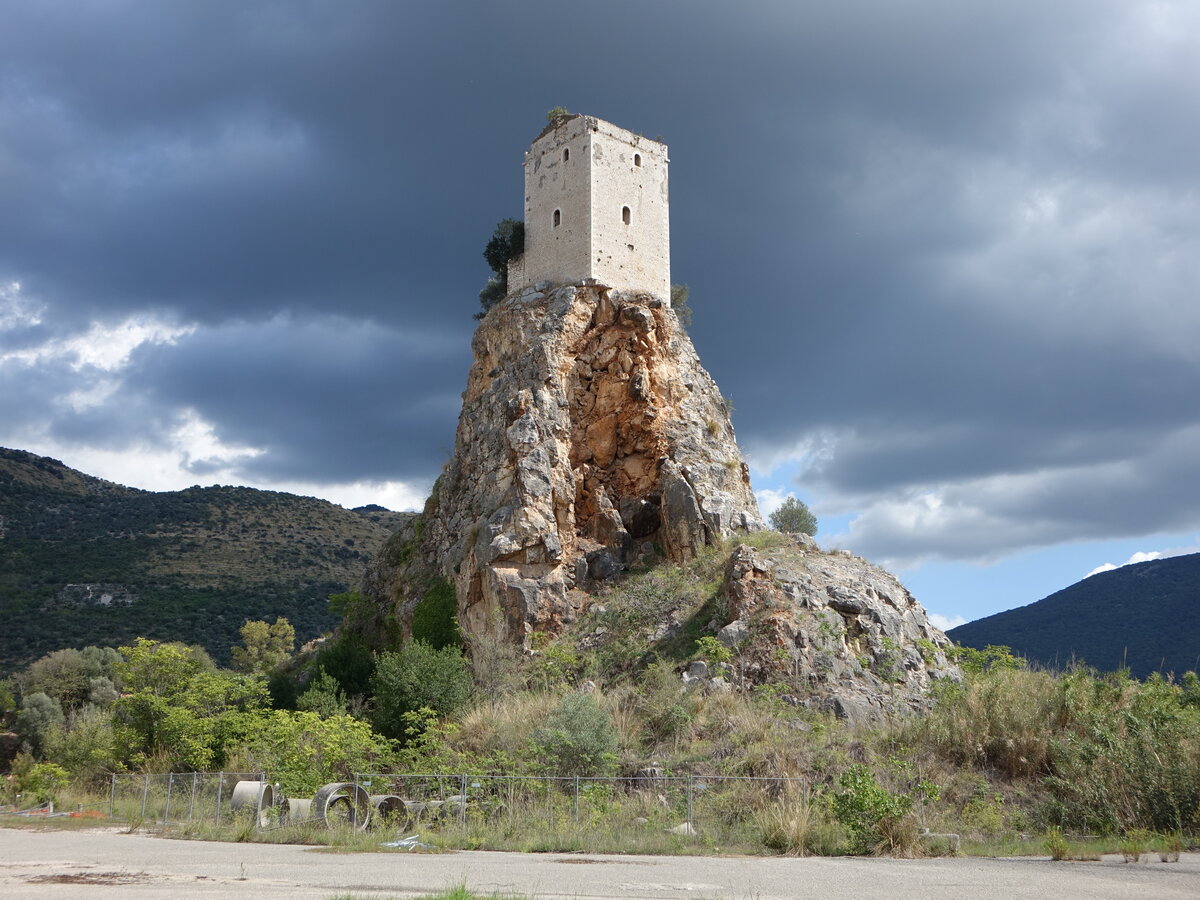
point(101, 864)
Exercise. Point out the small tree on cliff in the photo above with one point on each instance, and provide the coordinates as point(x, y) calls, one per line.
point(507, 243)
point(679, 303)
point(794, 517)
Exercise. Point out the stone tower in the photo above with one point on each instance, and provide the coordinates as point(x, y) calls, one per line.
point(596, 209)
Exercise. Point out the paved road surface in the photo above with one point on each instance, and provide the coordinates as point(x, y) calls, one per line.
point(101, 865)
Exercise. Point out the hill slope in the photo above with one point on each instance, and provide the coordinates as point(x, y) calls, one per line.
point(85, 561)
point(1144, 616)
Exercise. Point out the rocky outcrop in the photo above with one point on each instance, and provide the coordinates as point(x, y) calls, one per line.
point(590, 438)
point(845, 635)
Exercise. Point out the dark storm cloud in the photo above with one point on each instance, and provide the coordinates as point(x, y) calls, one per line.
point(947, 250)
point(326, 399)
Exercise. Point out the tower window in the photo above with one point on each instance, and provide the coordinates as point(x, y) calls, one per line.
point(637, 159)
point(625, 214)
point(557, 217)
point(566, 154)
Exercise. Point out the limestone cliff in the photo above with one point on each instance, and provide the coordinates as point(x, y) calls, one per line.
point(590, 437)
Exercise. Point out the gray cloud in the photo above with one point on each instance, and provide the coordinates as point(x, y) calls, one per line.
point(953, 246)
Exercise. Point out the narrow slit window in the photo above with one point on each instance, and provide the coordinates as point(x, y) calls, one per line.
point(557, 217)
point(566, 154)
point(637, 159)
point(625, 214)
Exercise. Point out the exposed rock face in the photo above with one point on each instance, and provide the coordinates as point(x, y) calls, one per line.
point(590, 436)
point(846, 634)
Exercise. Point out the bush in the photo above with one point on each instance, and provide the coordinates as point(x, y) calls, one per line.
point(264, 646)
point(305, 751)
point(435, 618)
point(67, 675)
point(179, 708)
point(39, 715)
point(86, 745)
point(323, 697)
point(876, 819)
point(794, 517)
point(413, 677)
point(1124, 756)
point(577, 738)
point(37, 782)
point(350, 662)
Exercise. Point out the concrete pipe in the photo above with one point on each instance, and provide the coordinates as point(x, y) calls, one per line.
point(253, 796)
point(342, 803)
point(388, 809)
point(297, 810)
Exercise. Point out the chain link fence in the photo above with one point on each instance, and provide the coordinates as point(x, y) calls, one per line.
point(174, 797)
point(482, 810)
point(711, 808)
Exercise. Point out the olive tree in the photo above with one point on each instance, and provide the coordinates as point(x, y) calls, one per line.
point(794, 517)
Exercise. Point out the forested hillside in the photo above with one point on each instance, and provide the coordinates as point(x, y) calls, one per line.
point(1145, 617)
point(85, 561)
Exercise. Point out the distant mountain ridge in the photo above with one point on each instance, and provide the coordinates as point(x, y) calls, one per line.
point(86, 561)
point(1144, 617)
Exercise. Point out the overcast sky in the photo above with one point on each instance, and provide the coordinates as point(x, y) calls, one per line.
point(943, 256)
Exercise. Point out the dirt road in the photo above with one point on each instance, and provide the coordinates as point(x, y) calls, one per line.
point(96, 865)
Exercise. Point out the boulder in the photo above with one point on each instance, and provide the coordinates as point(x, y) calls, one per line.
point(845, 635)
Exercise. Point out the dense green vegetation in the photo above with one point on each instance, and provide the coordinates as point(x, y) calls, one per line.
point(1010, 750)
point(1141, 617)
point(1007, 752)
point(84, 561)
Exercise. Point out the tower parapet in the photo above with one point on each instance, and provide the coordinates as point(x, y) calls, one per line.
point(596, 209)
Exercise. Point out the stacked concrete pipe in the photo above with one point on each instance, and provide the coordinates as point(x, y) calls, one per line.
point(255, 797)
point(341, 802)
point(297, 810)
point(389, 809)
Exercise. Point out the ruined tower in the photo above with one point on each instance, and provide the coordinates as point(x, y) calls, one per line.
point(596, 209)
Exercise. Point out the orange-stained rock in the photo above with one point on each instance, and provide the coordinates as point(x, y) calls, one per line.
point(589, 435)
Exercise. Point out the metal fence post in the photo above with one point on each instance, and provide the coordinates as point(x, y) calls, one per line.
point(167, 806)
point(192, 805)
point(112, 797)
point(145, 791)
point(576, 799)
point(220, 790)
point(689, 802)
point(262, 787)
point(462, 806)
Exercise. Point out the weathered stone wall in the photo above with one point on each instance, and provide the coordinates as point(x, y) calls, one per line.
point(629, 171)
point(590, 437)
point(581, 174)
